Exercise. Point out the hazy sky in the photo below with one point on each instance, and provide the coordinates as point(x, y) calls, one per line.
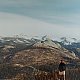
point(40, 17)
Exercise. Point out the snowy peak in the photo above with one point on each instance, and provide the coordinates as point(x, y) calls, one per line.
point(68, 41)
point(46, 42)
point(46, 39)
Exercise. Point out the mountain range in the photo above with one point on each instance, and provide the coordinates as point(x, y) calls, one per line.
point(20, 55)
point(12, 46)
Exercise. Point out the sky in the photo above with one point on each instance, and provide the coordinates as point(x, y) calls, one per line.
point(40, 17)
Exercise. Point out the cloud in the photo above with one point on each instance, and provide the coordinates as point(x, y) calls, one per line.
point(11, 24)
point(39, 9)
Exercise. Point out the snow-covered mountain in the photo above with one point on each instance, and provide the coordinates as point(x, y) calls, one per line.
point(71, 44)
point(47, 43)
point(68, 41)
point(11, 45)
point(46, 40)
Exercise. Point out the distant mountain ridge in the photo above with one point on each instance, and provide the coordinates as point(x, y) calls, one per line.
point(10, 46)
point(72, 44)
